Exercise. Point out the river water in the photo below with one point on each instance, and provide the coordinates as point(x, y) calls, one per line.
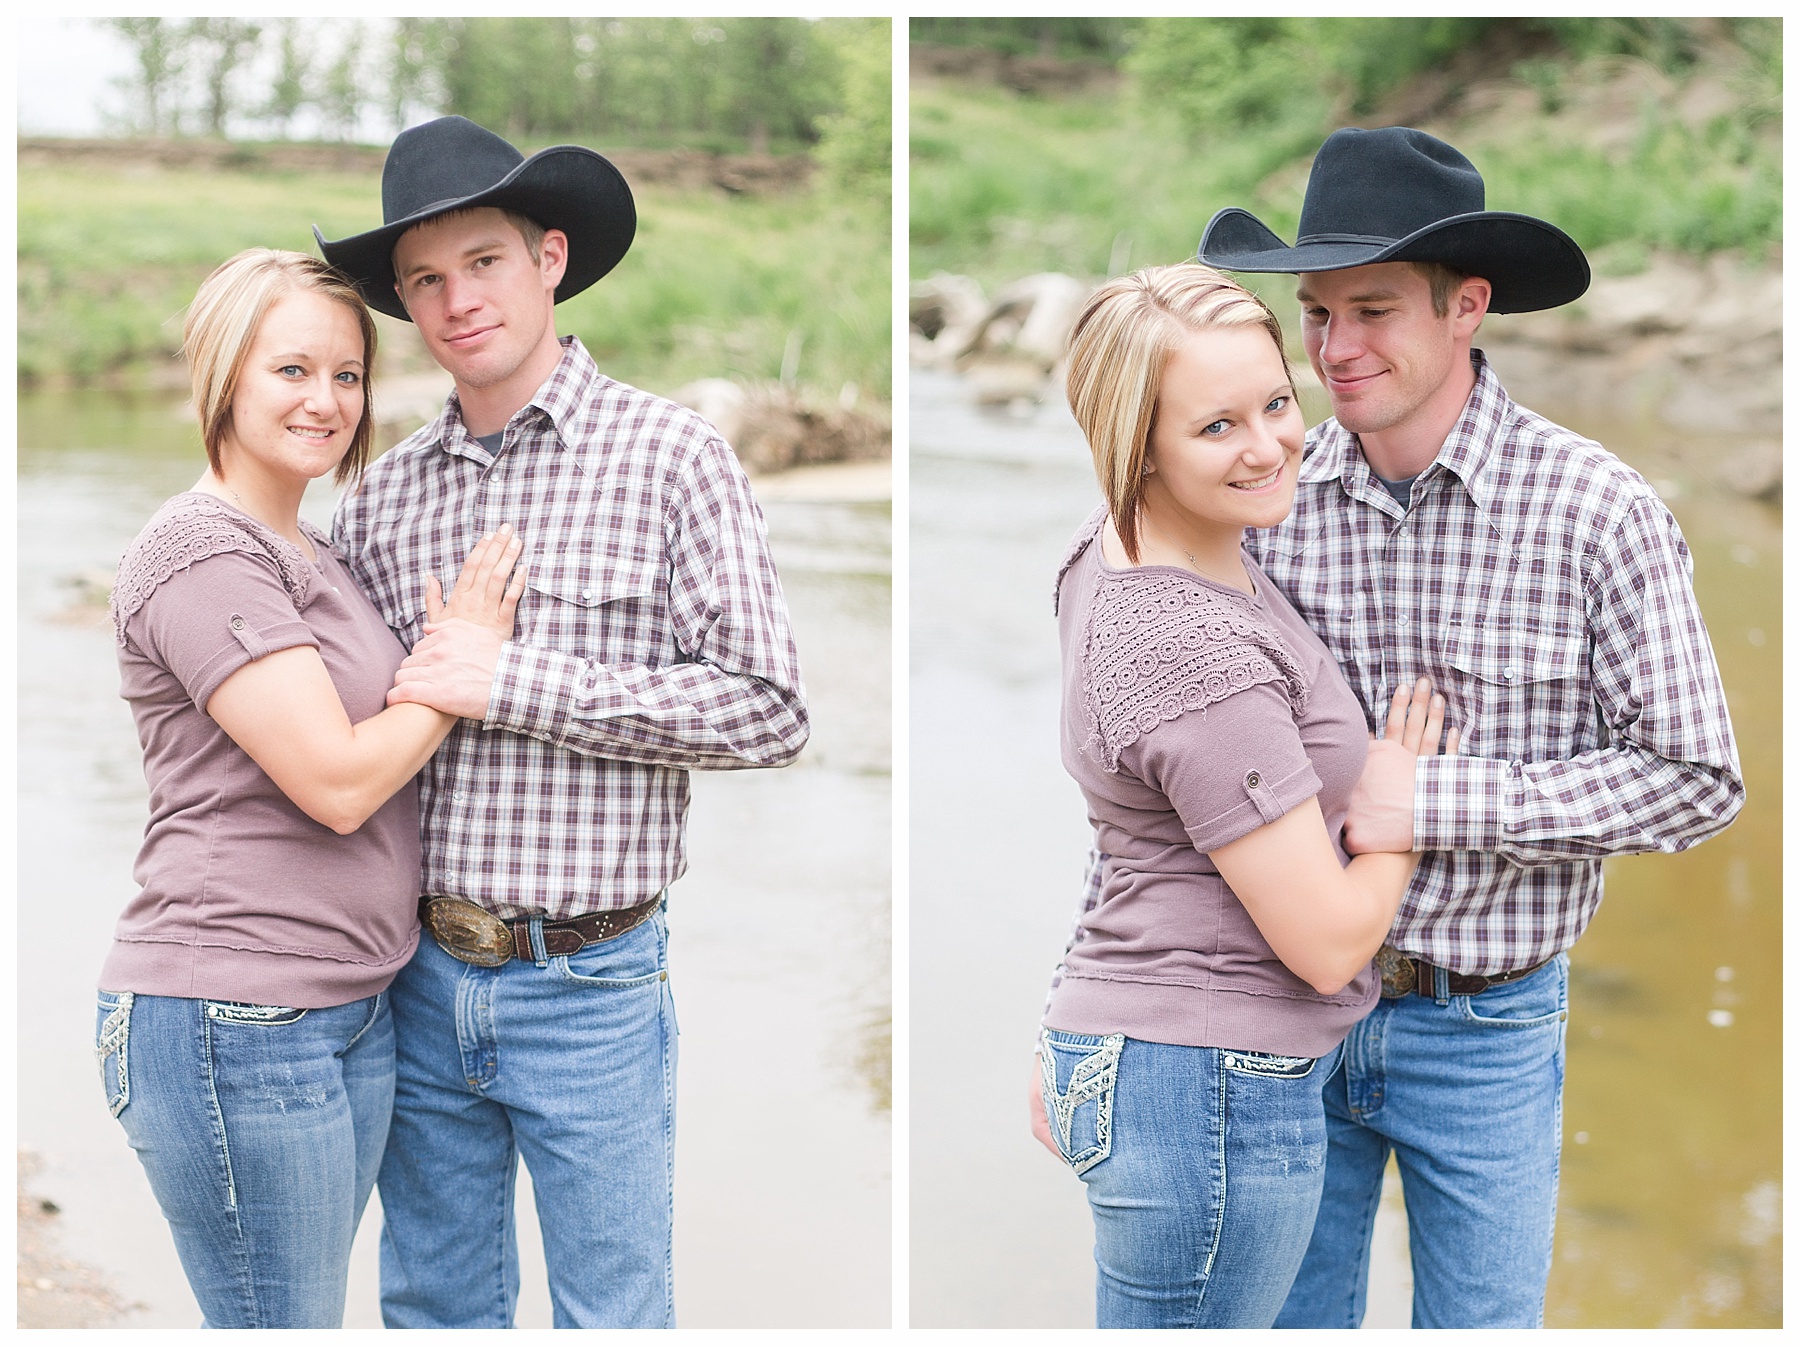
point(780, 931)
point(1670, 1211)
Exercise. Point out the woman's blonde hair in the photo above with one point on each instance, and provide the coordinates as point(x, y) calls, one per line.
point(222, 323)
point(1118, 350)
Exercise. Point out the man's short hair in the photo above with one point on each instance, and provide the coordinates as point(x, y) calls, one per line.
point(222, 323)
point(529, 229)
point(1444, 279)
point(1118, 350)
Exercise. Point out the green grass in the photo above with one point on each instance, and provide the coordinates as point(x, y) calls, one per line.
point(1005, 184)
point(713, 285)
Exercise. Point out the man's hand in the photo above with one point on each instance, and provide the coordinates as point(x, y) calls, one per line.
point(451, 669)
point(1380, 816)
point(1040, 1120)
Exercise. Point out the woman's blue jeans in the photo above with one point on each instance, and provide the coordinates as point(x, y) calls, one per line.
point(261, 1129)
point(1203, 1167)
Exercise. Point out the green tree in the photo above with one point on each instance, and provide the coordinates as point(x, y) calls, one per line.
point(219, 47)
point(856, 140)
point(345, 91)
point(159, 48)
point(772, 82)
point(288, 91)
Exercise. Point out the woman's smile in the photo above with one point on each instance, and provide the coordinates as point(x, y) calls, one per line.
point(1260, 484)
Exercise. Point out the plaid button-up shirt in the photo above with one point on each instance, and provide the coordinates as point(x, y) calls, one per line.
point(1546, 591)
point(652, 638)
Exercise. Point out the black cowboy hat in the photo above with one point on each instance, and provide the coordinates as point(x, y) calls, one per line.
point(453, 164)
point(1398, 195)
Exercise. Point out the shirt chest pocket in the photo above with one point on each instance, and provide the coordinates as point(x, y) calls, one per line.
point(1516, 692)
point(609, 608)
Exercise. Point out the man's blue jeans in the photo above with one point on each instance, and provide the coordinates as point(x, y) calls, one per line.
point(260, 1128)
point(568, 1063)
point(1203, 1169)
point(1466, 1092)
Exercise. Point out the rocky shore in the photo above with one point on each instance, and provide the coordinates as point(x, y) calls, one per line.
point(1694, 346)
point(771, 426)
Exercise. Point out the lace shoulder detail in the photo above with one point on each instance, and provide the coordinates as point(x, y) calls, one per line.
point(190, 528)
point(1083, 540)
point(1161, 645)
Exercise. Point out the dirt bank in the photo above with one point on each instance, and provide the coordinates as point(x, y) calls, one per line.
point(755, 174)
point(1024, 74)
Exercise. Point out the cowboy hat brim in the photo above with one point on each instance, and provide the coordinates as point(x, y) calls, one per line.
point(1530, 264)
point(566, 187)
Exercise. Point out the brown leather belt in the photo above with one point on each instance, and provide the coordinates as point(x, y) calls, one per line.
point(1402, 974)
point(466, 931)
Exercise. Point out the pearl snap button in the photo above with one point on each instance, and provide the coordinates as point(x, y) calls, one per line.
point(1506, 673)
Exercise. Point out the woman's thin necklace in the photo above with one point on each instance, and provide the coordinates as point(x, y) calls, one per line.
point(305, 549)
point(1209, 574)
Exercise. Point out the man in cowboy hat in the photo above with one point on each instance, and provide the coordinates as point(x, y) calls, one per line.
point(535, 1020)
point(1439, 529)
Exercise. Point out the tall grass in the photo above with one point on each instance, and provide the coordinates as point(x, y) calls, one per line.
point(714, 285)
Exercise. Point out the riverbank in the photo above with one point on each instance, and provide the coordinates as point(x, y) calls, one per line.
point(56, 1290)
point(791, 286)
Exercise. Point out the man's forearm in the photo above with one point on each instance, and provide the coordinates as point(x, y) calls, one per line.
point(1621, 800)
point(692, 716)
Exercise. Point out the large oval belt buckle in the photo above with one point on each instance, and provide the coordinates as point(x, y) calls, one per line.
point(463, 930)
point(1398, 975)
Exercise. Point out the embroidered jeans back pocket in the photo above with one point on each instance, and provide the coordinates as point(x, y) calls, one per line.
point(1268, 1065)
point(112, 1040)
point(1079, 1075)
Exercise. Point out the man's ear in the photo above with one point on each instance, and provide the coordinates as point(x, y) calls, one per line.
point(1470, 305)
point(553, 256)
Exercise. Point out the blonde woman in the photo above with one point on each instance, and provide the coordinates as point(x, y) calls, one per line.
point(244, 1035)
point(1195, 1022)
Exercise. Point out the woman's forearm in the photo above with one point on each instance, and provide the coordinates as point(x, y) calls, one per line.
point(383, 753)
point(1323, 920)
point(284, 711)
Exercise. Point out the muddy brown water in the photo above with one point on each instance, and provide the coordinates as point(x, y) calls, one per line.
point(1670, 1211)
point(779, 933)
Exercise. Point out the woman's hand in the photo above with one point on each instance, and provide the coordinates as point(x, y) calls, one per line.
point(452, 668)
point(487, 591)
point(1380, 816)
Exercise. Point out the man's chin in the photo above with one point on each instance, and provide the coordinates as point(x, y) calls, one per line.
point(470, 369)
point(1361, 419)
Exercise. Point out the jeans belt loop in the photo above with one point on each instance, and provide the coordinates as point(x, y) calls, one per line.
point(538, 951)
point(1440, 984)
